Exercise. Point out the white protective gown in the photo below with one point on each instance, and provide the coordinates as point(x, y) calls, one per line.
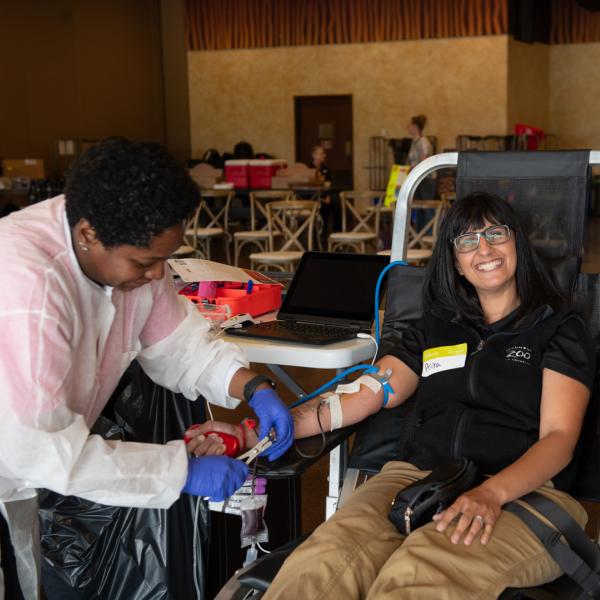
point(65, 343)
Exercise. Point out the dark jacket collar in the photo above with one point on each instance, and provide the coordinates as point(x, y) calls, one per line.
point(511, 321)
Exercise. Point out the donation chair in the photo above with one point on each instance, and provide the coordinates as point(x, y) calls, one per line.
point(549, 190)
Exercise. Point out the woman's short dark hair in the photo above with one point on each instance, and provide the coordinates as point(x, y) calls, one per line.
point(419, 121)
point(444, 285)
point(129, 192)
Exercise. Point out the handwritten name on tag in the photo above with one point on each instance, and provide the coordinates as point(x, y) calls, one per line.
point(443, 358)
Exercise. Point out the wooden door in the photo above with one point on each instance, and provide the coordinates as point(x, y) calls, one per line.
point(326, 120)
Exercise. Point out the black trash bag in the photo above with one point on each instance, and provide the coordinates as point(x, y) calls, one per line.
point(104, 552)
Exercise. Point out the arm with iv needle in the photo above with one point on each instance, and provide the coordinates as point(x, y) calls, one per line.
point(313, 414)
point(389, 383)
point(354, 407)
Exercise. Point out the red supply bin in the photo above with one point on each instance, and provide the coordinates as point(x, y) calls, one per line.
point(531, 135)
point(263, 298)
point(262, 171)
point(237, 171)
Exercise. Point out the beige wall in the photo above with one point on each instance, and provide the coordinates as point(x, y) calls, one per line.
point(460, 84)
point(528, 84)
point(574, 95)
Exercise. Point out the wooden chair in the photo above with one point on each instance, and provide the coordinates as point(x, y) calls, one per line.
point(295, 220)
point(426, 237)
point(360, 209)
point(258, 237)
point(315, 192)
point(414, 256)
point(210, 221)
point(420, 245)
point(184, 251)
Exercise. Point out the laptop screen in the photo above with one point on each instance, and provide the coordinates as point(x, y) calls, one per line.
point(338, 287)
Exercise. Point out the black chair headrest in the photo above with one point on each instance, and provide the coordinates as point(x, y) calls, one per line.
point(564, 270)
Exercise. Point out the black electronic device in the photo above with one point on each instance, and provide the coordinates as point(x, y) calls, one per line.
point(331, 298)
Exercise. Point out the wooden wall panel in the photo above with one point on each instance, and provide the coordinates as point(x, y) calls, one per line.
point(236, 24)
point(572, 24)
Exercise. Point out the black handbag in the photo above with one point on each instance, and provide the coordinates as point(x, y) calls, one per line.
point(415, 505)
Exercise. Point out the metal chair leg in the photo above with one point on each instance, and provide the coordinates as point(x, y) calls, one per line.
point(236, 252)
point(226, 242)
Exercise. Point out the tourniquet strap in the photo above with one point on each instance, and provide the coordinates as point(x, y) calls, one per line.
point(570, 562)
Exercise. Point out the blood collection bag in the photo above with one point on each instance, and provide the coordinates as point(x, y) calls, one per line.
point(254, 529)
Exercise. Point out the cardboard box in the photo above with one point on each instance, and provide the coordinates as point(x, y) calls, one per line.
point(205, 175)
point(296, 174)
point(33, 168)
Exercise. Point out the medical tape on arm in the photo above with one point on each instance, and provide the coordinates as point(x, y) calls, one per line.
point(374, 383)
point(335, 411)
point(372, 380)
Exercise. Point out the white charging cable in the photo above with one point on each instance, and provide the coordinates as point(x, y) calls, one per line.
point(209, 411)
point(368, 336)
point(195, 555)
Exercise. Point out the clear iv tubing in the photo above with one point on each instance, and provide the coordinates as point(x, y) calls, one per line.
point(364, 368)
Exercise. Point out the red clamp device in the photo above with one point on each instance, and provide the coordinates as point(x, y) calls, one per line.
point(231, 442)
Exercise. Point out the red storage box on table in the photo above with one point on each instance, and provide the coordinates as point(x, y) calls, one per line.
point(256, 300)
point(532, 135)
point(237, 172)
point(262, 171)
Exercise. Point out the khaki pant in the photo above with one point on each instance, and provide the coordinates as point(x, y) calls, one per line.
point(358, 553)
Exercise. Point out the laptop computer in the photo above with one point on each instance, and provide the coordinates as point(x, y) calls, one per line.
point(330, 299)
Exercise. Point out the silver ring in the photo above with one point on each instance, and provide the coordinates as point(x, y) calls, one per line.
point(478, 517)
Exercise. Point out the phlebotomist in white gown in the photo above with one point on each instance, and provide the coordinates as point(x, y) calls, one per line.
point(83, 291)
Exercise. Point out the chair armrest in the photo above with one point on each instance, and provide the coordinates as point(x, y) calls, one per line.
point(292, 464)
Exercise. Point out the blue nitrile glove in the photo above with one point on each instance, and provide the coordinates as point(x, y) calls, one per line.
point(272, 413)
point(214, 476)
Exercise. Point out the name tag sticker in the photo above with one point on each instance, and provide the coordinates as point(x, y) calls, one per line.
point(444, 358)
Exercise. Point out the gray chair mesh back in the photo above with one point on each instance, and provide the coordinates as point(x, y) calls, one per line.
point(548, 190)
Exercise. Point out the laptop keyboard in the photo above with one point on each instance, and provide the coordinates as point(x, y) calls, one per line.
point(309, 330)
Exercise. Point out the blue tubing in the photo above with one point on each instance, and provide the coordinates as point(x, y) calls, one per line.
point(364, 368)
point(377, 290)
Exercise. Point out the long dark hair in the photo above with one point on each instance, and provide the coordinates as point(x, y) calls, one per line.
point(444, 285)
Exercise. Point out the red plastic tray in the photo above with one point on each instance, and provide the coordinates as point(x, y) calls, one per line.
point(264, 297)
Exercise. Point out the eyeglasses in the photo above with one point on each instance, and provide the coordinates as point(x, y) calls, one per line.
point(495, 234)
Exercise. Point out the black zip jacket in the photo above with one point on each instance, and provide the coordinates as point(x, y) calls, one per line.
point(488, 410)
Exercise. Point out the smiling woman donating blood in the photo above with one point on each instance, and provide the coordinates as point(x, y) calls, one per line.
point(503, 368)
